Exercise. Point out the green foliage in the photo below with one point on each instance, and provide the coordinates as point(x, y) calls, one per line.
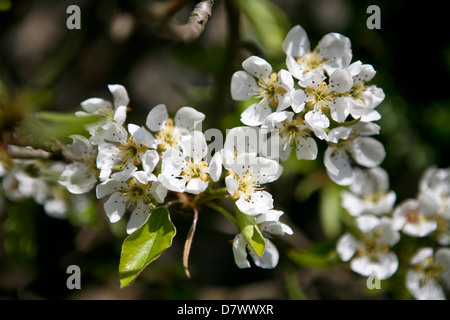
point(251, 232)
point(270, 24)
point(145, 245)
point(330, 210)
point(19, 228)
point(318, 256)
point(5, 5)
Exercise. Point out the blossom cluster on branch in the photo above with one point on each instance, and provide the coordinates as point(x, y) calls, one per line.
point(322, 98)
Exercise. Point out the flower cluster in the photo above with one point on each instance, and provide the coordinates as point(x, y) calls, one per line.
point(381, 224)
point(322, 97)
point(332, 101)
point(135, 168)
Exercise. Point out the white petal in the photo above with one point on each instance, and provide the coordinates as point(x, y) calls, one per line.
point(270, 257)
point(231, 184)
point(150, 160)
point(298, 100)
point(255, 114)
point(389, 236)
point(353, 204)
point(336, 48)
point(120, 95)
point(141, 135)
point(243, 86)
point(341, 80)
point(138, 217)
point(338, 166)
point(339, 133)
point(257, 67)
point(194, 145)
point(95, 105)
point(115, 206)
point(215, 167)
point(421, 229)
point(346, 247)
point(120, 115)
point(107, 187)
point(296, 43)
point(187, 118)
point(294, 68)
point(312, 78)
point(306, 148)
point(196, 186)
point(367, 151)
point(367, 73)
point(366, 223)
point(340, 109)
point(421, 255)
point(80, 145)
point(157, 118)
point(240, 252)
point(158, 191)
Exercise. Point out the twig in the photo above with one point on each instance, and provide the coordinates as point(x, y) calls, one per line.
point(221, 96)
point(187, 32)
point(188, 243)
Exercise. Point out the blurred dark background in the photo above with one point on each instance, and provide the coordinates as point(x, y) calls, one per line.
point(44, 63)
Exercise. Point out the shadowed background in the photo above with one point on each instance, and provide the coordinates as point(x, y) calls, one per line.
point(45, 66)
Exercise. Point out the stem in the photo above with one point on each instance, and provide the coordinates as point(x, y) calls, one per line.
point(188, 32)
point(188, 243)
point(221, 96)
point(222, 211)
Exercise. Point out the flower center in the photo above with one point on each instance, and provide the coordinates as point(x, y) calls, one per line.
point(415, 217)
point(357, 92)
point(371, 246)
point(311, 61)
point(270, 90)
point(196, 171)
point(136, 191)
point(319, 97)
point(168, 137)
point(131, 151)
point(290, 130)
point(246, 186)
point(430, 270)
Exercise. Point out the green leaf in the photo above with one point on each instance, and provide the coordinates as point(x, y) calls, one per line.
point(19, 231)
point(319, 256)
point(5, 5)
point(330, 210)
point(269, 22)
point(145, 245)
point(251, 232)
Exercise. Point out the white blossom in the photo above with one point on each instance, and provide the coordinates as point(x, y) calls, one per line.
point(108, 112)
point(126, 150)
point(429, 274)
point(247, 174)
point(411, 217)
point(370, 250)
point(269, 223)
point(187, 170)
point(138, 194)
point(291, 131)
point(332, 52)
point(353, 143)
point(362, 99)
point(273, 89)
point(369, 193)
point(168, 131)
point(81, 175)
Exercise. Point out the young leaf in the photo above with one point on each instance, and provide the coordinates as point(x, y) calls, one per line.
point(251, 232)
point(145, 245)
